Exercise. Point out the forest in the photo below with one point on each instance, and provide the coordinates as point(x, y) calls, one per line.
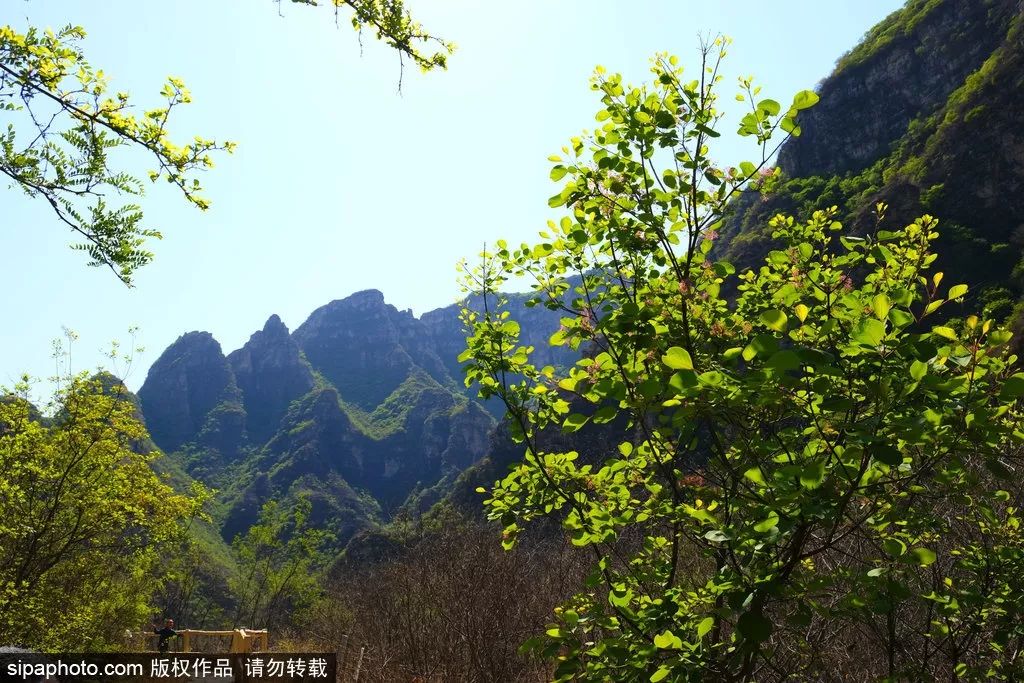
point(713, 420)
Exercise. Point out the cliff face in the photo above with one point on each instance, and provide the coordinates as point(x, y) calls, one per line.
point(271, 373)
point(189, 379)
point(366, 347)
point(906, 66)
point(924, 115)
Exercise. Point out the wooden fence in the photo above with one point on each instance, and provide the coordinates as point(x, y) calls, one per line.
point(194, 640)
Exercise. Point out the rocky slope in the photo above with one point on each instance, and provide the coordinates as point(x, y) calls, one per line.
point(925, 114)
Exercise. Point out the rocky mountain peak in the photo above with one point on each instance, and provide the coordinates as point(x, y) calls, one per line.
point(274, 327)
point(186, 382)
point(271, 373)
point(355, 343)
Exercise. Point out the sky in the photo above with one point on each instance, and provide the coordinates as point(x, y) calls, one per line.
point(340, 182)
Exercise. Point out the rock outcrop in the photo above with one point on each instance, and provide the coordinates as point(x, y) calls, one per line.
point(186, 383)
point(271, 372)
point(925, 116)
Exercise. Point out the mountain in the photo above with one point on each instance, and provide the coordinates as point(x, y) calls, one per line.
point(363, 409)
point(924, 114)
point(271, 372)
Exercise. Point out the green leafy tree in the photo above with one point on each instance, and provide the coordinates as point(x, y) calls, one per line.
point(83, 518)
point(63, 123)
point(280, 559)
point(64, 127)
point(810, 476)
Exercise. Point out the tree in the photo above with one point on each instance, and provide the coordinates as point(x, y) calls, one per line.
point(70, 123)
point(63, 123)
point(279, 560)
point(811, 476)
point(83, 518)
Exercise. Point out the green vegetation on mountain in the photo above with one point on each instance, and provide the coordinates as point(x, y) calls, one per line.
point(923, 116)
point(385, 428)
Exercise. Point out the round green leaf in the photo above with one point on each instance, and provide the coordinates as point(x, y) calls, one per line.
point(894, 547)
point(924, 556)
point(775, 319)
point(678, 358)
point(805, 99)
point(754, 626)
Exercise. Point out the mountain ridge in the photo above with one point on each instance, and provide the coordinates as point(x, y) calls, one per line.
point(362, 408)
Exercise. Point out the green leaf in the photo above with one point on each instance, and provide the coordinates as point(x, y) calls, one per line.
point(682, 380)
point(918, 370)
point(885, 453)
point(768, 524)
point(769, 107)
point(705, 626)
point(924, 556)
point(763, 345)
point(956, 291)
point(775, 319)
point(946, 332)
point(805, 99)
point(677, 358)
point(667, 641)
point(573, 422)
point(812, 474)
point(900, 318)
point(754, 626)
point(881, 305)
point(558, 172)
point(784, 360)
point(894, 547)
point(755, 475)
point(712, 378)
point(1013, 387)
point(788, 125)
point(661, 674)
point(999, 337)
point(716, 536)
point(869, 332)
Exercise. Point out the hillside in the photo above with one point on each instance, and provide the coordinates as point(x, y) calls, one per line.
point(924, 115)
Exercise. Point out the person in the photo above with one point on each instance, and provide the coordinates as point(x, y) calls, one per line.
point(165, 633)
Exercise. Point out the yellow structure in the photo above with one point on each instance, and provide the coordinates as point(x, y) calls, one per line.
point(242, 639)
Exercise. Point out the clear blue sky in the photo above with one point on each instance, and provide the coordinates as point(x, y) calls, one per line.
point(340, 183)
